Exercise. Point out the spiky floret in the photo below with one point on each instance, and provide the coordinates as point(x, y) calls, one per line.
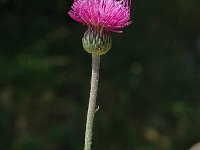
point(110, 15)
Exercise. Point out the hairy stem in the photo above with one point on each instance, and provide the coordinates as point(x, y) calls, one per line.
point(92, 101)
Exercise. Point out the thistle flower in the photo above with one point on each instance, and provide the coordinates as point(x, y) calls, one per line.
point(101, 16)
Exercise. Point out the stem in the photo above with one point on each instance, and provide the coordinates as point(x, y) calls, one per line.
point(92, 101)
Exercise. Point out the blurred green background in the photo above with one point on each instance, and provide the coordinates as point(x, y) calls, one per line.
point(149, 92)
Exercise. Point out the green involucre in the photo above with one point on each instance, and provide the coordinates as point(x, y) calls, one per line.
point(97, 42)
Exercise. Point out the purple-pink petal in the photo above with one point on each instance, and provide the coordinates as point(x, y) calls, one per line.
point(108, 14)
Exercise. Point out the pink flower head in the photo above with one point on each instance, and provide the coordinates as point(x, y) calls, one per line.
point(110, 15)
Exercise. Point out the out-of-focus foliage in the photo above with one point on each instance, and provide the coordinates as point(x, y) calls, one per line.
point(149, 94)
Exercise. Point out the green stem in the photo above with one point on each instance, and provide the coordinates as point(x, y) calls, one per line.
point(92, 101)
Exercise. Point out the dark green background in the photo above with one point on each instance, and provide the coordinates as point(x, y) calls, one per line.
point(149, 92)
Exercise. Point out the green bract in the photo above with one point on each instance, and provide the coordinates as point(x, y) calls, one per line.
point(97, 42)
